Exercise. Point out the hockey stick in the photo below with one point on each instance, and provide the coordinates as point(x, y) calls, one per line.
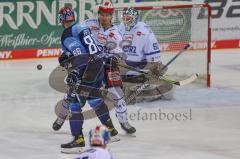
point(179, 53)
point(183, 82)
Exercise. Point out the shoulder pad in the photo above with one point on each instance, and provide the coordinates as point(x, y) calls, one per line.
point(80, 26)
point(92, 24)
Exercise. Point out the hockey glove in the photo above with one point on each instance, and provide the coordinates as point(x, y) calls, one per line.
point(113, 61)
point(157, 69)
point(62, 59)
point(73, 78)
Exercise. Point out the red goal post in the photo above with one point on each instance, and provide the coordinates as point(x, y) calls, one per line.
point(175, 24)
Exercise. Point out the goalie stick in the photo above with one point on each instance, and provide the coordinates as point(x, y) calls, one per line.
point(183, 82)
point(174, 58)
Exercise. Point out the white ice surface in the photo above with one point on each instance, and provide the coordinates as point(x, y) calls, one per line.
point(209, 130)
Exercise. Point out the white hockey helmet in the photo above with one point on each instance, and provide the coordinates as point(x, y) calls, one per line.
point(130, 17)
point(106, 7)
point(99, 136)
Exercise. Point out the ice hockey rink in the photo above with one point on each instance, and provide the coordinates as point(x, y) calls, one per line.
point(208, 126)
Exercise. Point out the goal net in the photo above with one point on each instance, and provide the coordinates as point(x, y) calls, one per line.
point(176, 24)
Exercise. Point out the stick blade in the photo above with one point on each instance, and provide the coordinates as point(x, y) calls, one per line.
point(188, 80)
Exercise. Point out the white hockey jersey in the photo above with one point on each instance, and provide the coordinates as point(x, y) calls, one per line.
point(142, 45)
point(108, 40)
point(96, 153)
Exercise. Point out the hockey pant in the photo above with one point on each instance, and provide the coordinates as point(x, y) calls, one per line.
point(114, 85)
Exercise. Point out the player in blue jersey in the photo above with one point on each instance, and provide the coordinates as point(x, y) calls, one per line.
point(80, 50)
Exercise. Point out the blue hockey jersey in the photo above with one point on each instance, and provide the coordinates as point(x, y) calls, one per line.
point(77, 41)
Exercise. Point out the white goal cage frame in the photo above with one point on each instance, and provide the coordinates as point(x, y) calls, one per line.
point(173, 5)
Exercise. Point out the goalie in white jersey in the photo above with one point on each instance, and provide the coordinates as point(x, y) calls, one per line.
point(98, 138)
point(109, 38)
point(143, 52)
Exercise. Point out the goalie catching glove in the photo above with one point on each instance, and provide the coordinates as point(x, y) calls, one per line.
point(156, 68)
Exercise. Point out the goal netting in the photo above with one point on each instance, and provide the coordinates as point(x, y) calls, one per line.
point(175, 24)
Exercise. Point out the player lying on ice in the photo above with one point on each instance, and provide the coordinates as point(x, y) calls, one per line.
point(98, 138)
point(80, 50)
point(143, 52)
point(106, 34)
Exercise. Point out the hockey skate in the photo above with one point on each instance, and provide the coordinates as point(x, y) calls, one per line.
point(58, 124)
point(111, 128)
point(112, 131)
point(129, 129)
point(75, 146)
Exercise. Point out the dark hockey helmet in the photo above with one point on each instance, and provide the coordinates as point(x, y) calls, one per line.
point(66, 14)
point(130, 17)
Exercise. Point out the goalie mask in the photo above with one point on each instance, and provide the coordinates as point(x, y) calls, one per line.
point(130, 18)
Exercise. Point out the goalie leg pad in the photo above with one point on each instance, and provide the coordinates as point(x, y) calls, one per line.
point(168, 95)
point(162, 90)
point(128, 94)
point(155, 92)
